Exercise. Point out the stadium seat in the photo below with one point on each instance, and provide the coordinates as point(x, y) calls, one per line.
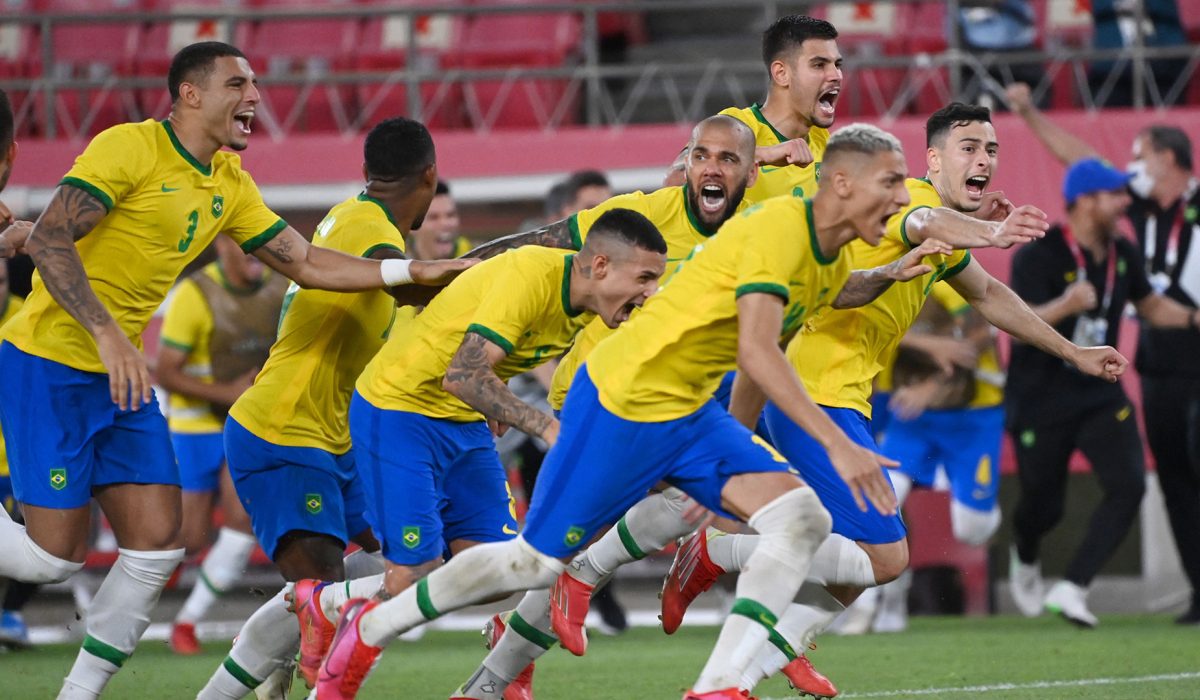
point(18, 42)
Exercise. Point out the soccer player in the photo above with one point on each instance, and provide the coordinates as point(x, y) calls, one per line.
point(838, 356)
point(438, 238)
point(78, 412)
point(218, 328)
point(642, 403)
point(289, 434)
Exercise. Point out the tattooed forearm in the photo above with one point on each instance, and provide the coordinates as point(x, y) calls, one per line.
point(471, 378)
point(280, 248)
point(71, 215)
point(555, 235)
point(863, 287)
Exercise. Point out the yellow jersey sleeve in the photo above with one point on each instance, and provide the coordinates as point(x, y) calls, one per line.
point(188, 321)
point(114, 164)
point(462, 246)
point(252, 224)
point(581, 222)
point(503, 318)
point(950, 300)
point(188, 327)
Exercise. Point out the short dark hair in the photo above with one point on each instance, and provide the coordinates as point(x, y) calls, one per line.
point(789, 32)
point(954, 114)
point(442, 187)
point(398, 148)
point(1173, 139)
point(7, 125)
point(629, 227)
point(584, 178)
point(194, 62)
point(556, 199)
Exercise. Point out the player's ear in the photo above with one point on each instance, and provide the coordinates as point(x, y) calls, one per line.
point(366, 177)
point(599, 266)
point(933, 160)
point(753, 176)
point(780, 75)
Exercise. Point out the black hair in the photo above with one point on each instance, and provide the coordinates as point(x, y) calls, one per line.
point(398, 148)
point(7, 126)
point(584, 178)
point(629, 227)
point(442, 188)
point(556, 199)
point(954, 114)
point(789, 32)
point(1173, 139)
point(194, 62)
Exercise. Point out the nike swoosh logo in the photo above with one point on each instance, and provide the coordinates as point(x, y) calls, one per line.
point(508, 530)
point(169, 189)
point(769, 168)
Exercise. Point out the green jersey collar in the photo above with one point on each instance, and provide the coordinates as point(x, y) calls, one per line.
point(205, 170)
point(566, 287)
point(364, 197)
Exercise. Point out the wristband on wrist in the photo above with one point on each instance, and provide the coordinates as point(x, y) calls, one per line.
point(395, 271)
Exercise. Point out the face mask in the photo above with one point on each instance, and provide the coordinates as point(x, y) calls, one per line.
point(1142, 183)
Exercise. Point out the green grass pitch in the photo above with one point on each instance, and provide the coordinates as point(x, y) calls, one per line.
point(998, 658)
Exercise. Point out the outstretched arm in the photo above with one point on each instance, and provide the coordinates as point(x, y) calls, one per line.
point(1065, 146)
point(555, 235)
point(471, 376)
point(864, 286)
point(1022, 225)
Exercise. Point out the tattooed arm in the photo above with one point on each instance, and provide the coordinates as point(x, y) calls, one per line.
point(864, 286)
point(314, 267)
point(555, 235)
point(471, 377)
point(71, 215)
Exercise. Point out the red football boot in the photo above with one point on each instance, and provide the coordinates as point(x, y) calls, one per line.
point(692, 573)
point(569, 600)
point(522, 686)
point(809, 681)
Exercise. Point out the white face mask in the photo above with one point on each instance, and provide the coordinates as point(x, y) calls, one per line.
point(1142, 183)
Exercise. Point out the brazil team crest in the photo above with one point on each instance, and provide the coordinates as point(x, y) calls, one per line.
point(574, 536)
point(218, 206)
point(411, 536)
point(58, 479)
point(312, 502)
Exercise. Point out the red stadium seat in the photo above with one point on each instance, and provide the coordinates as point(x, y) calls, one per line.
point(18, 43)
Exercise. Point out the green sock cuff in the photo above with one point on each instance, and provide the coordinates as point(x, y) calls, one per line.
point(631, 544)
point(760, 614)
point(423, 601)
point(100, 650)
point(209, 584)
point(517, 624)
point(240, 673)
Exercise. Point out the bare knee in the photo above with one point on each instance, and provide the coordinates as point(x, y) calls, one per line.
point(399, 577)
point(888, 561)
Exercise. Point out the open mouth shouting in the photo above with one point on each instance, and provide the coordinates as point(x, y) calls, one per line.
point(975, 187)
point(243, 120)
point(712, 200)
point(827, 101)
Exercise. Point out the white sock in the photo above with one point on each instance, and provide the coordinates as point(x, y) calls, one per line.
point(21, 559)
point(335, 595)
point(224, 565)
point(268, 640)
point(973, 527)
point(812, 612)
point(652, 524)
point(790, 529)
point(476, 574)
point(730, 551)
point(529, 635)
point(119, 614)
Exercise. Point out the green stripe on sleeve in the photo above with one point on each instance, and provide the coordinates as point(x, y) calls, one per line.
point(424, 602)
point(631, 544)
point(962, 265)
point(491, 335)
point(181, 347)
point(763, 288)
point(517, 624)
point(99, 649)
point(904, 224)
point(90, 189)
point(381, 246)
point(240, 674)
point(263, 238)
point(576, 236)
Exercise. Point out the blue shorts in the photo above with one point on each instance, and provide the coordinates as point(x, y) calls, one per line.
point(725, 392)
point(603, 464)
point(429, 482)
point(65, 436)
point(966, 442)
point(200, 457)
point(293, 489)
point(881, 417)
point(871, 527)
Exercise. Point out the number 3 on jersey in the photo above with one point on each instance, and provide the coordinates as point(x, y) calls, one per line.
point(193, 223)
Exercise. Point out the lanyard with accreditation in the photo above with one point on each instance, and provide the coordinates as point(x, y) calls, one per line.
point(1092, 329)
point(1161, 280)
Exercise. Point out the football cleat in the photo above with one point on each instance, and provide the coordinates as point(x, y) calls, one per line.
point(569, 600)
point(725, 694)
point(1070, 601)
point(692, 573)
point(350, 659)
point(807, 680)
point(522, 686)
point(183, 639)
point(316, 631)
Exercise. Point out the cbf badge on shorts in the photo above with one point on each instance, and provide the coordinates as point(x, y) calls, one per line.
point(58, 479)
point(411, 536)
point(574, 536)
point(312, 503)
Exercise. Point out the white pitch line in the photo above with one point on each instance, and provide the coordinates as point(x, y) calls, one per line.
point(1018, 686)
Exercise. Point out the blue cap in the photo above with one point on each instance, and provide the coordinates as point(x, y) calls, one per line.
point(1090, 176)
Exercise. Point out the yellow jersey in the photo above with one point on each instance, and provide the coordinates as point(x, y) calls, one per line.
point(987, 393)
point(839, 352)
point(670, 211)
point(11, 305)
point(188, 327)
point(520, 300)
point(776, 181)
point(665, 362)
point(164, 208)
point(301, 398)
point(462, 246)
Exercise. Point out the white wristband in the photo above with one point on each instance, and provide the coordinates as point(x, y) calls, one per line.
point(395, 271)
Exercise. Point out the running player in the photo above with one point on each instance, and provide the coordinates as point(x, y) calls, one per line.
point(643, 403)
point(219, 326)
point(77, 408)
point(838, 356)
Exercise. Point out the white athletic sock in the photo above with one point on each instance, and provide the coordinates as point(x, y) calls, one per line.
point(653, 523)
point(224, 565)
point(476, 574)
point(812, 612)
point(730, 551)
point(21, 559)
point(119, 615)
point(790, 529)
point(529, 635)
point(268, 640)
point(335, 595)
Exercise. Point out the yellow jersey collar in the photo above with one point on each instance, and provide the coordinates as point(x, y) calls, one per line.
point(756, 110)
point(812, 235)
point(205, 170)
point(566, 287)
point(364, 197)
